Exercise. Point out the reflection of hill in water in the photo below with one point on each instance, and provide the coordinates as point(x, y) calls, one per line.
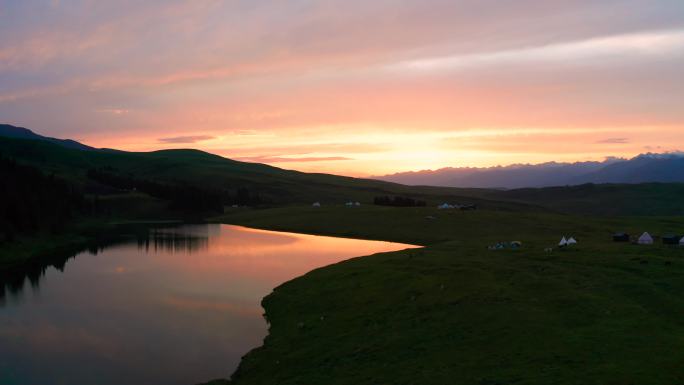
point(161, 240)
point(13, 282)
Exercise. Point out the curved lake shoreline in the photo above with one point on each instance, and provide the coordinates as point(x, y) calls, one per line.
point(157, 289)
point(455, 312)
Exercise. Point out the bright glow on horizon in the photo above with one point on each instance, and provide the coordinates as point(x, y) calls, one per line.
point(404, 151)
point(355, 88)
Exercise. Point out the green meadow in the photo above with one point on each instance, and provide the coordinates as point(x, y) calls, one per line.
point(454, 312)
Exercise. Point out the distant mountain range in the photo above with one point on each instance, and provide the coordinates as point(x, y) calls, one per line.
point(645, 168)
point(10, 131)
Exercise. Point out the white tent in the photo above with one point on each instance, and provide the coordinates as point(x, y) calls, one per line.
point(445, 206)
point(316, 204)
point(357, 203)
point(349, 204)
point(572, 241)
point(563, 242)
point(645, 239)
point(681, 242)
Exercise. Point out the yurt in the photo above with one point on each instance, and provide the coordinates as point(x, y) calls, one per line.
point(645, 239)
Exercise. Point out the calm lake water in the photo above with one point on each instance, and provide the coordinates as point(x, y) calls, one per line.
point(179, 307)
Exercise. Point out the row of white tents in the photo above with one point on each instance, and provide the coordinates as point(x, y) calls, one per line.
point(567, 242)
point(647, 239)
point(348, 204)
point(447, 206)
point(644, 239)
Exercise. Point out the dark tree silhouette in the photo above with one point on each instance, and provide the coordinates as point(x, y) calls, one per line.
point(181, 196)
point(31, 201)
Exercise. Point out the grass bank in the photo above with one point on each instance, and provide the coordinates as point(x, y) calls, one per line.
point(455, 312)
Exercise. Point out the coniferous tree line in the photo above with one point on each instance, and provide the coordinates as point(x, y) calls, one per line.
point(182, 196)
point(398, 201)
point(31, 201)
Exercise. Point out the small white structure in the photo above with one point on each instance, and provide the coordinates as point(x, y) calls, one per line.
point(681, 242)
point(645, 239)
point(357, 203)
point(349, 204)
point(563, 242)
point(572, 241)
point(445, 206)
point(316, 204)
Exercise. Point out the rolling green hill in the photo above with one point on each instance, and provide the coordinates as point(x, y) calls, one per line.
point(274, 185)
point(277, 186)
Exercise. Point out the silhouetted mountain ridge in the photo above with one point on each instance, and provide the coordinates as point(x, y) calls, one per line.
point(10, 131)
point(644, 168)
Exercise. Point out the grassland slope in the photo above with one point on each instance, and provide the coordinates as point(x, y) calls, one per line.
point(457, 313)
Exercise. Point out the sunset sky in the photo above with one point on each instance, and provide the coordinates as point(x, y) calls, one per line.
point(351, 87)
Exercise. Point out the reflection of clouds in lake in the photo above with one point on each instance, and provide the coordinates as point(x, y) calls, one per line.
point(204, 304)
point(57, 339)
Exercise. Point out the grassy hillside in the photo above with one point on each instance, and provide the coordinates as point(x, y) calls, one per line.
point(198, 168)
point(457, 313)
point(278, 186)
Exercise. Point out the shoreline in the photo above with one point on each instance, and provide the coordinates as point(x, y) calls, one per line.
point(267, 298)
point(378, 311)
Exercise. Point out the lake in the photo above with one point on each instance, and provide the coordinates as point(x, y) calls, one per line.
point(179, 306)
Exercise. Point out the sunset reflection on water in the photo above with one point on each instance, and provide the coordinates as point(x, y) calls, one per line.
point(179, 307)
